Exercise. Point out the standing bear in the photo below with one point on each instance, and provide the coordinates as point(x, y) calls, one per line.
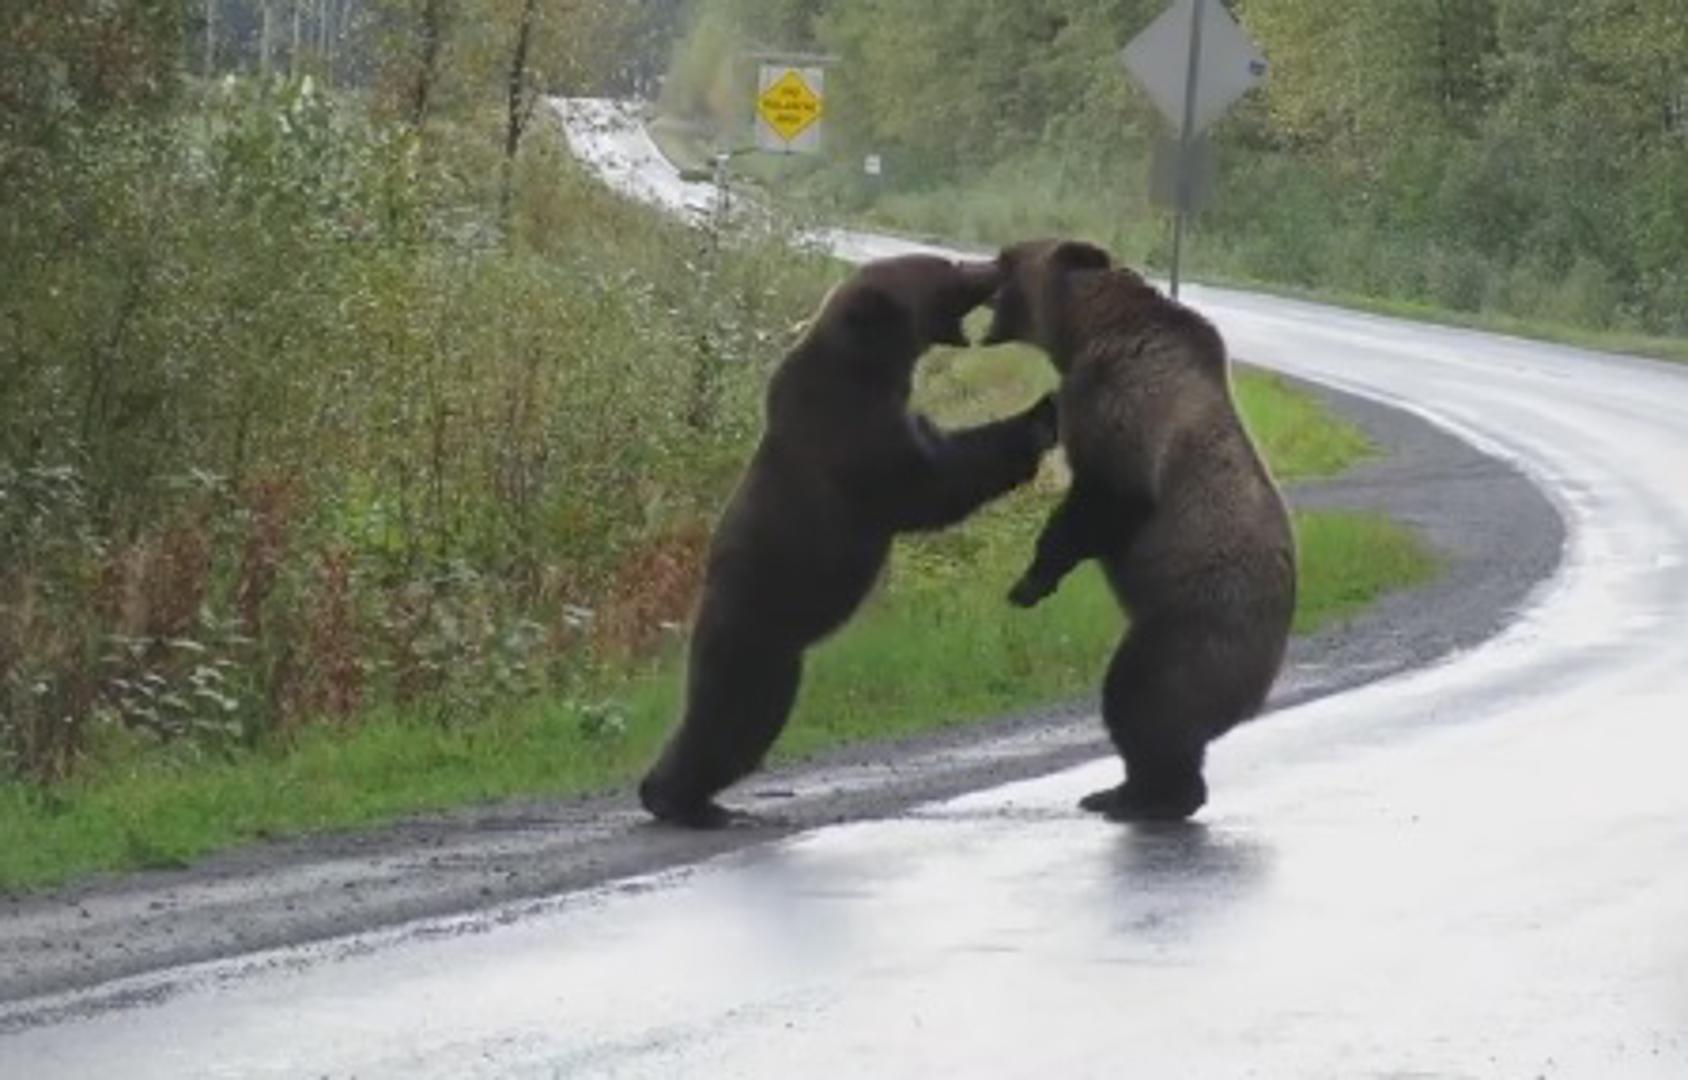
point(842, 467)
point(1171, 497)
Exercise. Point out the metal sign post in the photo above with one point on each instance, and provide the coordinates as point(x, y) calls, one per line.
point(1185, 126)
point(1193, 62)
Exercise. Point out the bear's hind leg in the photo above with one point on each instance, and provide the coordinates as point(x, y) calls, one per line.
point(1155, 707)
point(1099, 802)
point(690, 813)
point(1126, 803)
point(737, 704)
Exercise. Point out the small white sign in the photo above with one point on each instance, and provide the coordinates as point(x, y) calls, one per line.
point(1159, 59)
point(872, 165)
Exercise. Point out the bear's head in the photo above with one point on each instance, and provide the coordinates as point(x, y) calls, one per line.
point(1033, 303)
point(895, 309)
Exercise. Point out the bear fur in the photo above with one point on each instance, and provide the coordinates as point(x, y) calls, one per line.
point(842, 467)
point(1171, 497)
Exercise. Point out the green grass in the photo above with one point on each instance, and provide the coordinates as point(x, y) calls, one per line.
point(1297, 434)
point(936, 646)
point(1350, 559)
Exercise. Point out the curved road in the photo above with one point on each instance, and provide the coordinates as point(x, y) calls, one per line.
point(1478, 869)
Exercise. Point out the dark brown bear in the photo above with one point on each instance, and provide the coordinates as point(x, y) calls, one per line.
point(1171, 497)
point(842, 467)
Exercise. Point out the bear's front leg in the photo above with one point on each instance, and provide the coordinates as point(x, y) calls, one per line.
point(933, 479)
point(1068, 538)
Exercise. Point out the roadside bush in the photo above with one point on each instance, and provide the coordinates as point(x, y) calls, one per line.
point(1456, 278)
point(292, 428)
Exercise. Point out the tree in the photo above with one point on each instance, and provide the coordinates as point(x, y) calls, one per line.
point(432, 30)
point(63, 61)
point(1636, 53)
point(518, 101)
point(1356, 76)
point(208, 67)
point(266, 38)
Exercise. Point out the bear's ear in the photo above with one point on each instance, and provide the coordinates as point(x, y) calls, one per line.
point(871, 314)
point(1078, 255)
point(1034, 283)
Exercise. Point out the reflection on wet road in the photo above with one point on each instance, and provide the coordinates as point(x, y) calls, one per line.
point(1377, 896)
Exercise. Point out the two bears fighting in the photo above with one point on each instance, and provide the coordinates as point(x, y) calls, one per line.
point(1168, 494)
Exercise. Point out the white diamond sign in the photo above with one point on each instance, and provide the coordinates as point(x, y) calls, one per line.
point(1229, 64)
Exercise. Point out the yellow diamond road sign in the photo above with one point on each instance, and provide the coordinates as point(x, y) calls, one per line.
point(790, 104)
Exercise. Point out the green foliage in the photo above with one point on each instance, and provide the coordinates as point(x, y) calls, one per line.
point(293, 425)
point(1294, 432)
point(1362, 77)
point(1348, 560)
point(1521, 157)
point(62, 59)
point(346, 454)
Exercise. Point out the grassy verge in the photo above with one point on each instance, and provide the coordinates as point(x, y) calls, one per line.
point(931, 652)
point(936, 646)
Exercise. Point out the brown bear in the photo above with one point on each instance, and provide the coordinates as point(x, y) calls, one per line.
point(842, 467)
point(1170, 496)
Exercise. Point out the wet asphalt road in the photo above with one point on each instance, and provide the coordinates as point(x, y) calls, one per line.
point(1479, 869)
